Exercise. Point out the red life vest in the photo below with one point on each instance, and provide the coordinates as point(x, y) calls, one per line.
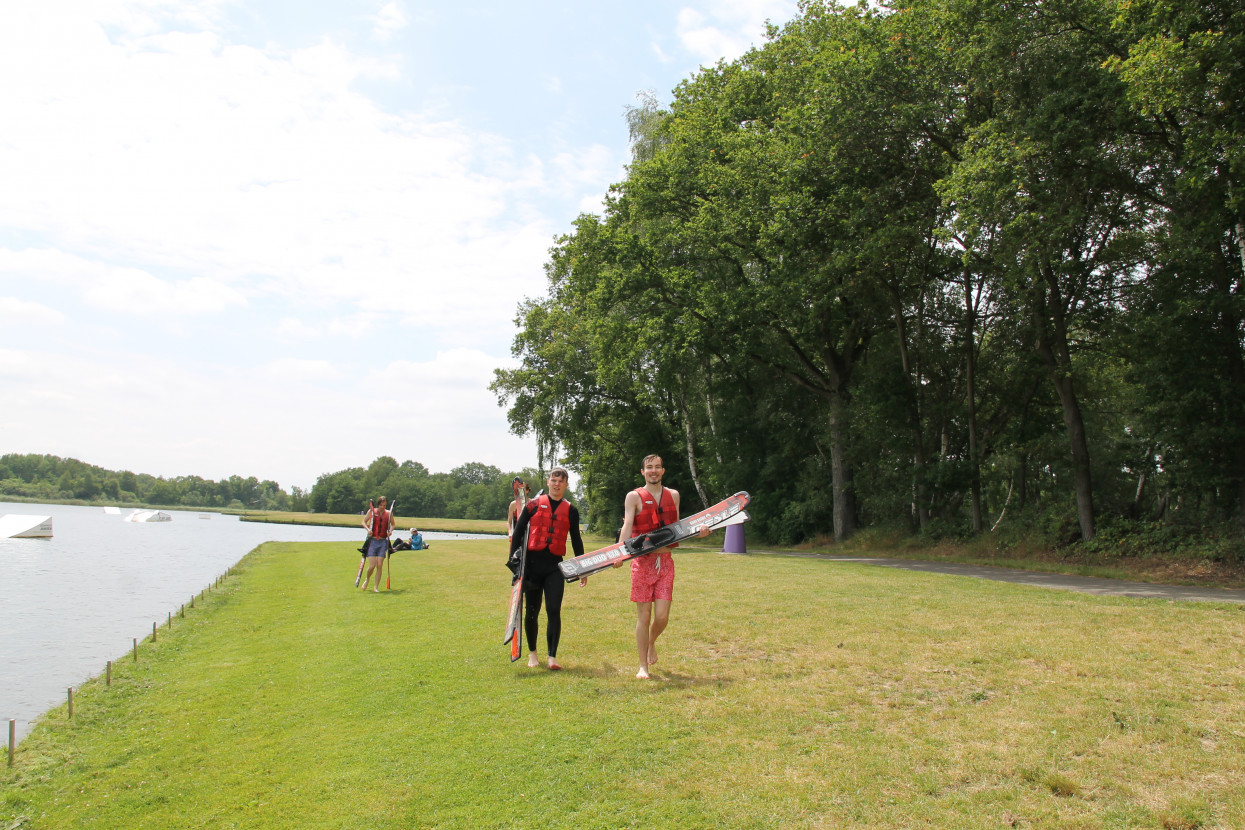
point(654, 513)
point(381, 524)
point(547, 527)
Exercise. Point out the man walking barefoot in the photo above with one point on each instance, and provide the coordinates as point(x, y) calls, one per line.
point(379, 522)
point(652, 576)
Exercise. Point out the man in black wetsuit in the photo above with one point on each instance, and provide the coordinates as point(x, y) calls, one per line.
point(545, 523)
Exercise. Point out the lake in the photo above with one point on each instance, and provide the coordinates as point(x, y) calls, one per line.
point(71, 603)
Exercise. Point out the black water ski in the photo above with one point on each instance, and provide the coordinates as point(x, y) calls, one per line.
point(729, 511)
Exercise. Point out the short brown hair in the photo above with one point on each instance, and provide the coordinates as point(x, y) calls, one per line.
point(649, 458)
point(559, 472)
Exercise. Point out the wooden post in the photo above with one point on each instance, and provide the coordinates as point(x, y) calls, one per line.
point(135, 649)
point(153, 632)
point(183, 612)
point(12, 738)
point(71, 702)
point(108, 674)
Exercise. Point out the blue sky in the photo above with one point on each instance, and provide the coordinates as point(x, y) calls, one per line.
point(282, 238)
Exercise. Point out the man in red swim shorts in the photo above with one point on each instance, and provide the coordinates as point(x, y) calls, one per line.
point(652, 575)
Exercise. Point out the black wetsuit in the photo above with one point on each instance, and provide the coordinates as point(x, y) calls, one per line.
point(543, 580)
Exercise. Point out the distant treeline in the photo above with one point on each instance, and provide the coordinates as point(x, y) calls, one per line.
point(68, 479)
point(472, 491)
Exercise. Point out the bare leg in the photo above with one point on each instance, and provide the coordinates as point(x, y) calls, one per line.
point(371, 566)
point(661, 618)
point(644, 612)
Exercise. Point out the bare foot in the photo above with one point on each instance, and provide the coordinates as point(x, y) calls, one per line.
point(652, 655)
point(532, 662)
point(554, 665)
point(376, 590)
point(642, 674)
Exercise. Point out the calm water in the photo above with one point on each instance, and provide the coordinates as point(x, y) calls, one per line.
point(71, 603)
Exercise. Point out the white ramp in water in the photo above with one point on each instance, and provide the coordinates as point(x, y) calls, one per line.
point(112, 511)
point(149, 516)
point(18, 526)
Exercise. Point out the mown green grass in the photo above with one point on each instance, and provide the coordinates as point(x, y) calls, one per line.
point(789, 693)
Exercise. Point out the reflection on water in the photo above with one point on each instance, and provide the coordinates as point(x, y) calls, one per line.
point(71, 603)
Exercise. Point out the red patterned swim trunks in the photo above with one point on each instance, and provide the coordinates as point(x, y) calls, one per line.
point(652, 577)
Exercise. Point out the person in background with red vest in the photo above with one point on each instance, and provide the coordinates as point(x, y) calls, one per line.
point(378, 522)
point(652, 575)
point(546, 522)
point(512, 512)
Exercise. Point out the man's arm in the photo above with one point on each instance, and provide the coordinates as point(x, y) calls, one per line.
point(577, 544)
point(630, 505)
point(704, 531)
point(520, 532)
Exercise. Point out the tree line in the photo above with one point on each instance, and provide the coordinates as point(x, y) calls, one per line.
point(55, 479)
point(471, 491)
point(941, 267)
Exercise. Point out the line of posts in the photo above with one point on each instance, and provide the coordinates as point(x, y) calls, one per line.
point(108, 668)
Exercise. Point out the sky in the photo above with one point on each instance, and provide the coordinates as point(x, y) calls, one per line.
point(280, 238)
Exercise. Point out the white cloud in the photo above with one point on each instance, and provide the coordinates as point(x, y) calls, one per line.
point(261, 169)
point(588, 166)
point(295, 369)
point(136, 292)
point(388, 20)
point(16, 312)
point(719, 29)
point(18, 365)
point(116, 288)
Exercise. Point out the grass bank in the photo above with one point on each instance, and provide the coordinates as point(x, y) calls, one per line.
point(400, 522)
point(790, 693)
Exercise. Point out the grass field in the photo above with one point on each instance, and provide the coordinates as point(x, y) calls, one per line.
point(790, 693)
